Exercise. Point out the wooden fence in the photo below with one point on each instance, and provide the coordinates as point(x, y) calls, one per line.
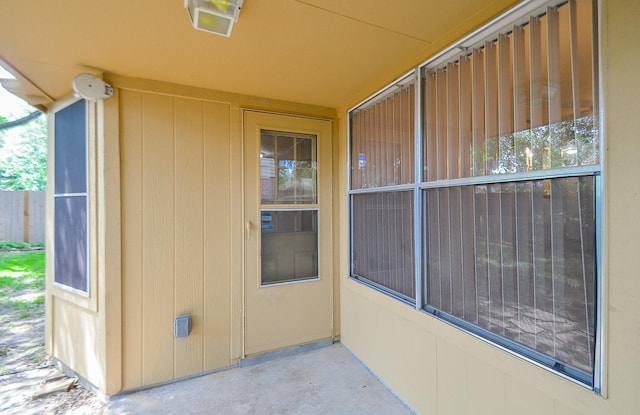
point(22, 216)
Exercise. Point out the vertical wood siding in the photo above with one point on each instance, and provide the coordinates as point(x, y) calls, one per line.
point(175, 235)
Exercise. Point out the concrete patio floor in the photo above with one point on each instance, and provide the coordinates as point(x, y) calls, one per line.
point(327, 380)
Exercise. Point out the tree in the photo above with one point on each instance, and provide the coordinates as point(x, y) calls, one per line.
point(5, 124)
point(2, 121)
point(23, 152)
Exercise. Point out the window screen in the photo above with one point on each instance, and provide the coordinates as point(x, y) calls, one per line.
point(70, 187)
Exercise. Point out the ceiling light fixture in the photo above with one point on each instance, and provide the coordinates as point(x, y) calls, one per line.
point(214, 16)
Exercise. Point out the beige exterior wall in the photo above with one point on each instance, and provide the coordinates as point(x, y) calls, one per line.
point(83, 352)
point(75, 332)
point(166, 232)
point(621, 80)
point(182, 227)
point(83, 330)
point(438, 369)
point(176, 231)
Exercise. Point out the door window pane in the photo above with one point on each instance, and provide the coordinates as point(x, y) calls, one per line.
point(289, 246)
point(288, 168)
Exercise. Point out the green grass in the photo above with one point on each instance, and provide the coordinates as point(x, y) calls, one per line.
point(20, 273)
point(8, 246)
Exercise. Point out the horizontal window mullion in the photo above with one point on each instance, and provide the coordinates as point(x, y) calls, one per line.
point(282, 208)
point(71, 195)
point(397, 188)
point(516, 177)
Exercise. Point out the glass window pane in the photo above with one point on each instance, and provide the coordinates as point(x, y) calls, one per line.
point(517, 103)
point(383, 240)
point(285, 150)
point(289, 246)
point(518, 260)
point(382, 139)
point(288, 168)
point(267, 166)
point(304, 152)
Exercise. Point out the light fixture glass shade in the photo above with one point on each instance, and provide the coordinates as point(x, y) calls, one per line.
point(214, 16)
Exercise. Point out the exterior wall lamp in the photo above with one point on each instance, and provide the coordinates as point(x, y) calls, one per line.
point(214, 16)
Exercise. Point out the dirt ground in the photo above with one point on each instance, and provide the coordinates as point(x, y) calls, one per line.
point(25, 369)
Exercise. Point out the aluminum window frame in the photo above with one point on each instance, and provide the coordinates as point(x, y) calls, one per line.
point(409, 78)
point(516, 15)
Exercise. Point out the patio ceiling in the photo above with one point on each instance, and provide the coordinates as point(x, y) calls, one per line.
point(321, 52)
